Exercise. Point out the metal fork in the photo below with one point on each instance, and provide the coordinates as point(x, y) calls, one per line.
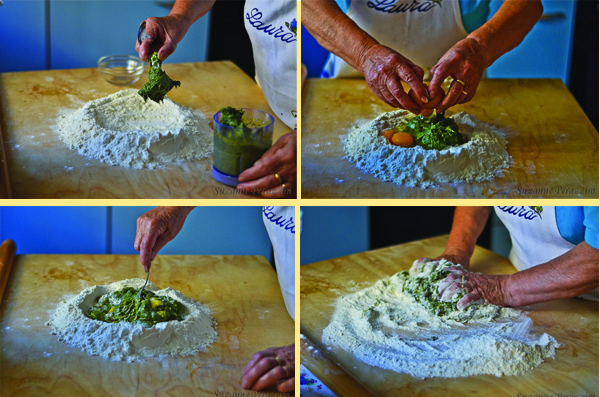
point(144, 286)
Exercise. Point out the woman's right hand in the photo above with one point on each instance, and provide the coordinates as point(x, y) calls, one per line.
point(166, 33)
point(155, 229)
point(384, 71)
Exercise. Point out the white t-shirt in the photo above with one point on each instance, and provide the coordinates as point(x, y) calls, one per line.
point(271, 25)
point(281, 226)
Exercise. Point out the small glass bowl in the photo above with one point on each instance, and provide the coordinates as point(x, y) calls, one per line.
point(121, 69)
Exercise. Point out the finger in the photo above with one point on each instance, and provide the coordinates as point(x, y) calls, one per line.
point(468, 300)
point(161, 241)
point(426, 112)
point(263, 366)
point(470, 96)
point(271, 377)
point(264, 166)
point(255, 186)
point(387, 97)
point(145, 50)
point(451, 98)
point(439, 73)
point(408, 75)
point(395, 88)
point(138, 236)
point(451, 291)
point(167, 49)
point(255, 358)
point(286, 385)
point(447, 282)
point(146, 247)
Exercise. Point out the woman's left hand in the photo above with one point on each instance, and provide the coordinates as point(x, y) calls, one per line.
point(465, 62)
point(479, 288)
point(273, 366)
point(274, 174)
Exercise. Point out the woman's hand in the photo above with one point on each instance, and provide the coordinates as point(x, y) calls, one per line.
point(479, 288)
point(273, 366)
point(274, 174)
point(465, 61)
point(155, 229)
point(384, 71)
point(166, 33)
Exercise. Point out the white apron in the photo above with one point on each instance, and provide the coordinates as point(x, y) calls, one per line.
point(535, 237)
point(421, 30)
point(280, 224)
point(274, 48)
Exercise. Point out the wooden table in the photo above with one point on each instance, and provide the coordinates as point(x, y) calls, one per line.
point(573, 322)
point(553, 144)
point(242, 292)
point(40, 166)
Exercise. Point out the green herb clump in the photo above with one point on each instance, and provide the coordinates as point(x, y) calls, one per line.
point(434, 132)
point(159, 84)
point(232, 117)
point(423, 286)
point(124, 305)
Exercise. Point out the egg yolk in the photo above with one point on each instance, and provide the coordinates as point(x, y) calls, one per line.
point(402, 139)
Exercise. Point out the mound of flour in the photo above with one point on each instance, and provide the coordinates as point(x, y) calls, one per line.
point(386, 328)
point(482, 158)
point(122, 129)
point(131, 342)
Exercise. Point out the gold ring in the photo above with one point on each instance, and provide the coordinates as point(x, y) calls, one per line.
point(278, 361)
point(460, 81)
point(283, 185)
point(287, 374)
point(466, 93)
point(278, 178)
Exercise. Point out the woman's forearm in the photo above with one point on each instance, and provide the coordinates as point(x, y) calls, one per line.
point(335, 31)
point(508, 27)
point(467, 225)
point(569, 275)
point(191, 10)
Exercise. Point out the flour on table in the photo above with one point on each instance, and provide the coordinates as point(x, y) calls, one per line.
point(482, 158)
point(385, 327)
point(127, 341)
point(122, 129)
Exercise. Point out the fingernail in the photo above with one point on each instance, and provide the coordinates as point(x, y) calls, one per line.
point(424, 99)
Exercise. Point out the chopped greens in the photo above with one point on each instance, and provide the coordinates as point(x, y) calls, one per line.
point(423, 286)
point(435, 132)
point(159, 83)
point(231, 117)
point(124, 305)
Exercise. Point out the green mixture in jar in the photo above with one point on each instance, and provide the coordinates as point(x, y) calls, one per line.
point(124, 305)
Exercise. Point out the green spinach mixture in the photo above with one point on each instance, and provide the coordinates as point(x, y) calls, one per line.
point(124, 305)
point(159, 84)
point(434, 132)
point(423, 286)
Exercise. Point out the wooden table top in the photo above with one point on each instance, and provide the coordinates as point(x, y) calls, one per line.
point(39, 165)
point(242, 293)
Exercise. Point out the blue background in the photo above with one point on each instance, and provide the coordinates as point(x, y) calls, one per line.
point(111, 230)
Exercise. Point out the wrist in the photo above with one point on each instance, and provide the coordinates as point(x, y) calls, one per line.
point(508, 293)
point(479, 45)
point(366, 47)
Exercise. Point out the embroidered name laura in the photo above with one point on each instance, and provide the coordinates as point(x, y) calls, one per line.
point(254, 18)
point(287, 224)
point(522, 212)
point(391, 7)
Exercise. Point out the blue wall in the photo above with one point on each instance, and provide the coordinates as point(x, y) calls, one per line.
point(331, 232)
point(105, 230)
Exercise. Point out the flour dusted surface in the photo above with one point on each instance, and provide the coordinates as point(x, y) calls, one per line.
point(482, 158)
point(122, 129)
point(131, 342)
point(386, 328)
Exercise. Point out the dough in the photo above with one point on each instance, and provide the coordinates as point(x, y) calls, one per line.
point(131, 342)
point(122, 129)
point(385, 327)
point(482, 158)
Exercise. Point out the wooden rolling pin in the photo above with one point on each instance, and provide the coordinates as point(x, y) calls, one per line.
point(8, 249)
point(329, 372)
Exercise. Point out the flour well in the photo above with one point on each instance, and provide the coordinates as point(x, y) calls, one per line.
point(386, 328)
point(122, 129)
point(482, 158)
point(131, 342)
